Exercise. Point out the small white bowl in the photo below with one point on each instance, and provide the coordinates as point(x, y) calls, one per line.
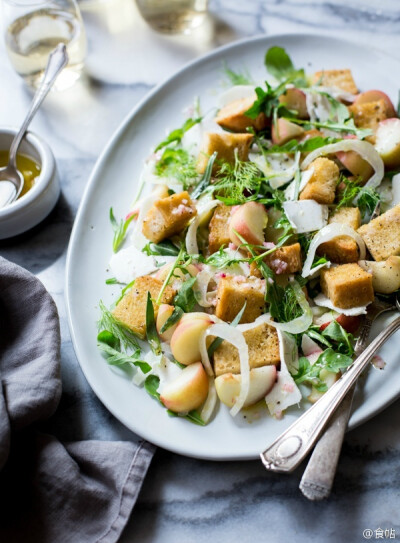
point(36, 204)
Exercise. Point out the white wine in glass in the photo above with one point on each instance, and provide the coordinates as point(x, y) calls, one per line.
point(32, 31)
point(173, 16)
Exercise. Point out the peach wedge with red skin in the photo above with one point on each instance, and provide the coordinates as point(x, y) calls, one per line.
point(186, 337)
point(356, 165)
point(284, 131)
point(295, 99)
point(164, 313)
point(248, 221)
point(374, 96)
point(388, 142)
point(261, 381)
point(188, 391)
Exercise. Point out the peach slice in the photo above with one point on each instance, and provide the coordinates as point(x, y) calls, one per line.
point(327, 377)
point(356, 165)
point(261, 381)
point(385, 274)
point(295, 99)
point(186, 336)
point(388, 142)
point(374, 96)
point(283, 131)
point(188, 391)
point(164, 313)
point(249, 221)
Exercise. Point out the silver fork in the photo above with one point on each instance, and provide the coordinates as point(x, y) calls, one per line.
point(291, 447)
point(317, 480)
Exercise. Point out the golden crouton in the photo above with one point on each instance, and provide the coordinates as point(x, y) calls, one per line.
point(368, 115)
point(225, 146)
point(347, 286)
point(131, 310)
point(343, 249)
point(232, 116)
point(234, 291)
point(382, 235)
point(342, 79)
point(219, 229)
point(263, 346)
point(284, 260)
point(322, 185)
point(168, 216)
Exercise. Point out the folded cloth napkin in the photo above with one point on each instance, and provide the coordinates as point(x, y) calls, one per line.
point(52, 492)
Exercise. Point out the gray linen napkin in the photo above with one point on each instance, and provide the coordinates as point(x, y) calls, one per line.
point(51, 492)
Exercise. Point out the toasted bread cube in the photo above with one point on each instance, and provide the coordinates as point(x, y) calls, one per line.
point(343, 249)
point(232, 116)
point(347, 286)
point(225, 146)
point(343, 79)
point(131, 310)
point(322, 185)
point(263, 347)
point(284, 260)
point(219, 228)
point(234, 291)
point(369, 115)
point(382, 235)
point(168, 216)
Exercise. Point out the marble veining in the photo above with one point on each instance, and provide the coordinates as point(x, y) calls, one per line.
point(184, 499)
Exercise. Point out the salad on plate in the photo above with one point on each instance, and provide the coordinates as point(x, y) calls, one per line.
point(261, 232)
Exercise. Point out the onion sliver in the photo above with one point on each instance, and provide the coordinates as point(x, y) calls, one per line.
point(363, 148)
point(191, 237)
point(200, 292)
point(211, 401)
point(327, 233)
point(322, 301)
point(236, 338)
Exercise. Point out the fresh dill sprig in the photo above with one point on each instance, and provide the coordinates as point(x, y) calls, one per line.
point(237, 78)
point(108, 322)
point(177, 164)
point(365, 198)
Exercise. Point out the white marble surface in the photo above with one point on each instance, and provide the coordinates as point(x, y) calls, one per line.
point(184, 499)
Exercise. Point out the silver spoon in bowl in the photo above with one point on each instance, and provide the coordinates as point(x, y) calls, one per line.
point(58, 59)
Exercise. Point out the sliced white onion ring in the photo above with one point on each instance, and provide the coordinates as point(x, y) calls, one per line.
point(327, 233)
point(191, 237)
point(203, 279)
point(363, 148)
point(211, 401)
point(322, 301)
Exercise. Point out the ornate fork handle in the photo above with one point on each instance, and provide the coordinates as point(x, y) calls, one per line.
point(286, 453)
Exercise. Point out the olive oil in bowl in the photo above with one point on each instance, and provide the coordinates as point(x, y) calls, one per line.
point(29, 168)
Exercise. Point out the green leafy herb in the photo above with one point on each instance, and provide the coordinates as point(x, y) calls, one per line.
point(365, 198)
point(177, 164)
point(176, 135)
point(108, 322)
point(111, 347)
point(151, 330)
point(328, 360)
point(164, 248)
point(237, 78)
point(280, 65)
point(113, 281)
point(185, 299)
point(318, 261)
point(347, 127)
point(206, 179)
point(172, 319)
point(217, 341)
point(119, 228)
point(313, 333)
point(303, 146)
point(235, 182)
point(266, 100)
point(340, 336)
point(222, 259)
point(124, 290)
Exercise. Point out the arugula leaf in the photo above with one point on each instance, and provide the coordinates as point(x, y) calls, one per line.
point(176, 135)
point(177, 164)
point(317, 336)
point(206, 179)
point(164, 248)
point(221, 259)
point(172, 319)
point(110, 346)
point(185, 299)
point(113, 281)
point(151, 330)
point(218, 340)
point(347, 126)
point(108, 322)
point(237, 78)
point(318, 261)
point(265, 102)
point(328, 360)
point(151, 385)
point(280, 65)
point(337, 333)
point(334, 362)
point(303, 146)
point(119, 229)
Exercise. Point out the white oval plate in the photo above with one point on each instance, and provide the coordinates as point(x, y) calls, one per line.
point(113, 183)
